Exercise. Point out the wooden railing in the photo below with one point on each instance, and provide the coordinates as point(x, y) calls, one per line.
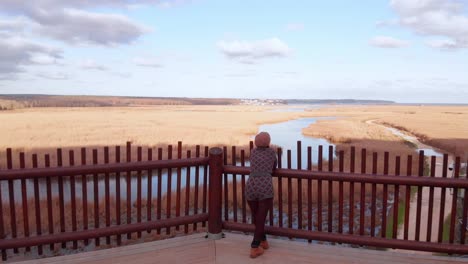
point(338, 205)
point(365, 209)
point(71, 205)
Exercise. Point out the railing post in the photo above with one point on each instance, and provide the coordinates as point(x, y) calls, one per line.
point(214, 210)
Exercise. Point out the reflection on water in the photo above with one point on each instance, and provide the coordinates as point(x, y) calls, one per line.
point(286, 135)
point(430, 152)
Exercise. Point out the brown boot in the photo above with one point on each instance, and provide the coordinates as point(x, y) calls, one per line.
point(264, 244)
point(255, 252)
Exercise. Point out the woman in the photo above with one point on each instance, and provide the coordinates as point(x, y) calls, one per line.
point(259, 189)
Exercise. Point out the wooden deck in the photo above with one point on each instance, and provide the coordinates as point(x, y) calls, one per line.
point(234, 248)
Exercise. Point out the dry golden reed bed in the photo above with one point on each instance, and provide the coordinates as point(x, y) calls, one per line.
point(51, 127)
point(444, 127)
point(41, 130)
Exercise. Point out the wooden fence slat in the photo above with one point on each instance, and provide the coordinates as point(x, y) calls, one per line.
point(169, 189)
point(178, 183)
point(61, 198)
point(138, 202)
point(363, 194)
point(431, 202)
point(71, 162)
point(280, 190)
point(396, 199)
point(234, 184)
point(420, 193)
point(37, 204)
point(409, 166)
point(107, 193)
point(465, 211)
point(50, 216)
point(290, 209)
point(309, 192)
point(159, 194)
point(442, 200)
point(319, 190)
point(299, 185)
point(244, 200)
point(84, 196)
point(340, 194)
point(118, 201)
point(197, 185)
point(385, 198)
point(97, 241)
point(129, 188)
point(351, 191)
point(187, 192)
point(374, 194)
point(330, 190)
point(11, 189)
point(225, 187)
point(24, 200)
point(453, 213)
point(149, 192)
point(205, 185)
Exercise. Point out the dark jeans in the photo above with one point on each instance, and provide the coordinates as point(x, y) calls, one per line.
point(259, 211)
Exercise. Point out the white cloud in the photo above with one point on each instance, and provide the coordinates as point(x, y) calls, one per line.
point(17, 52)
point(171, 3)
point(77, 26)
point(147, 62)
point(56, 76)
point(67, 21)
point(124, 75)
point(388, 42)
point(438, 18)
point(442, 44)
point(294, 27)
point(252, 51)
point(90, 64)
point(15, 5)
point(44, 59)
point(13, 25)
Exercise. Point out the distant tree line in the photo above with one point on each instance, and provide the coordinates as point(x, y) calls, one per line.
point(9, 102)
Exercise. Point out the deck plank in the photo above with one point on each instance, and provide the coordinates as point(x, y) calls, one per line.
point(235, 247)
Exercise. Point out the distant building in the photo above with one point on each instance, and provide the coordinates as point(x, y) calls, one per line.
point(262, 102)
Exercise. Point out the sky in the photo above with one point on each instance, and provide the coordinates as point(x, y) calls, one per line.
point(408, 51)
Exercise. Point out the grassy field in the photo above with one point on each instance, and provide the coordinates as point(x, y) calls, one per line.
point(41, 130)
point(444, 127)
point(45, 127)
point(9, 102)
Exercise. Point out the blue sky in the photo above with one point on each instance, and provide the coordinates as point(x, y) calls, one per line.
point(401, 50)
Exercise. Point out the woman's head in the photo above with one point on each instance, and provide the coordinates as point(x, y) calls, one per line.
point(262, 140)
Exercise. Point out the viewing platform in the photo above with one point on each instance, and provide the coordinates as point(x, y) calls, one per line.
point(234, 248)
point(46, 211)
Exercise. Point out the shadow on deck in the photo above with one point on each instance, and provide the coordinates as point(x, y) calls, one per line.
point(234, 248)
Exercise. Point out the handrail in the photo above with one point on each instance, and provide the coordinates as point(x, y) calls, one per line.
point(100, 232)
point(358, 177)
point(101, 168)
